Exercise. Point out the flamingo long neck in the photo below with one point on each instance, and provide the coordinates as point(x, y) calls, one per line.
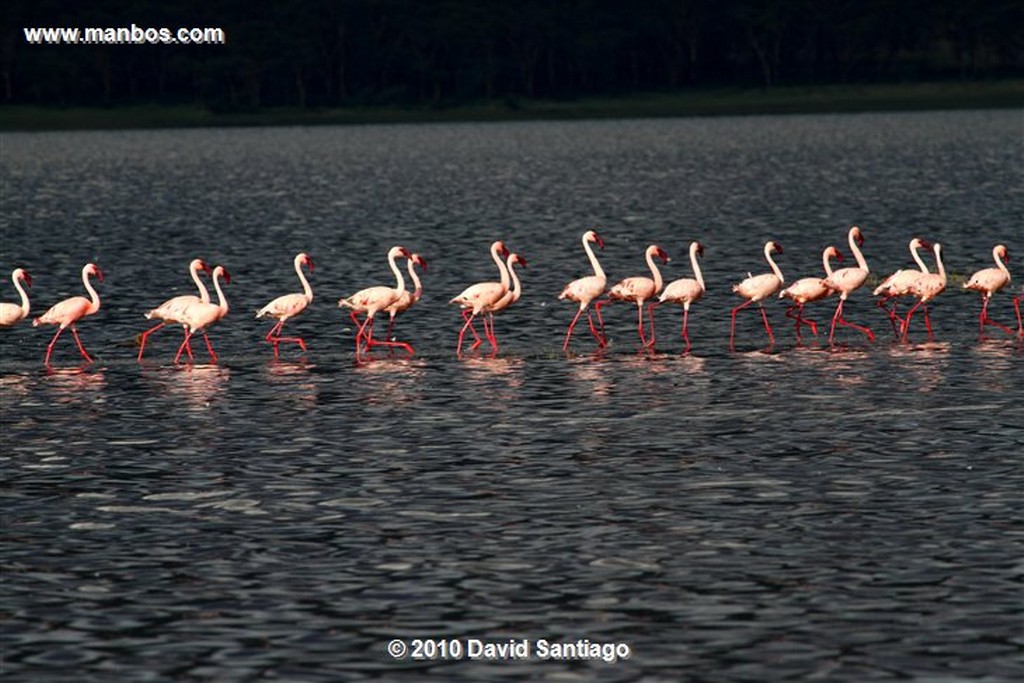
point(861, 263)
point(598, 271)
point(418, 291)
point(696, 266)
point(771, 262)
point(517, 289)
point(398, 274)
point(826, 261)
point(502, 270)
point(654, 270)
point(999, 263)
point(24, 296)
point(93, 296)
point(307, 291)
point(222, 301)
point(938, 262)
point(204, 295)
point(914, 246)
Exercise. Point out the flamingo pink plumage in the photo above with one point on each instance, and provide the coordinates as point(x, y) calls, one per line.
point(372, 300)
point(11, 314)
point(289, 305)
point(987, 282)
point(585, 289)
point(926, 287)
point(408, 299)
point(70, 311)
point(808, 289)
point(510, 297)
point(477, 298)
point(170, 311)
point(756, 288)
point(639, 289)
point(200, 315)
point(898, 284)
point(686, 291)
point(848, 280)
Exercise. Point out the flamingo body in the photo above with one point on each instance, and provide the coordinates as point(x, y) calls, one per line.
point(289, 305)
point(479, 297)
point(686, 291)
point(200, 315)
point(585, 289)
point(987, 282)
point(808, 289)
point(372, 300)
point(172, 310)
point(639, 289)
point(756, 288)
point(925, 288)
point(845, 281)
point(69, 311)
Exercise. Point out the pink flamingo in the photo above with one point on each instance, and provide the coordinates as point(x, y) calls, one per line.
point(408, 299)
point(848, 280)
point(170, 311)
point(756, 288)
point(372, 300)
point(898, 284)
point(200, 315)
point(926, 287)
point(808, 289)
point(289, 305)
point(685, 291)
point(639, 289)
point(477, 298)
point(10, 314)
point(987, 282)
point(70, 311)
point(510, 297)
point(586, 289)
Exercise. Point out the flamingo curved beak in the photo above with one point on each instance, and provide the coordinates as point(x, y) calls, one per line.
point(227, 275)
point(700, 249)
point(419, 261)
point(521, 261)
point(600, 242)
point(28, 279)
point(99, 274)
point(309, 262)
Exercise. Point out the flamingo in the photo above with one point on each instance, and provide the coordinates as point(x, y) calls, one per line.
point(10, 313)
point(475, 299)
point(640, 289)
point(408, 299)
point(685, 291)
point(372, 300)
point(170, 310)
point(289, 305)
point(510, 297)
point(70, 311)
point(848, 280)
point(926, 287)
point(987, 282)
point(756, 288)
point(898, 284)
point(586, 289)
point(808, 289)
point(199, 315)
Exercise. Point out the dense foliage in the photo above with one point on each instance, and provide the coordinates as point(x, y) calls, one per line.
point(337, 52)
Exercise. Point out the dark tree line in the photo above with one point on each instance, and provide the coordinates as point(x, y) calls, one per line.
point(338, 52)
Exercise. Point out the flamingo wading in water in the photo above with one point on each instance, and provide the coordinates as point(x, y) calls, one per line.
point(639, 289)
point(289, 305)
point(848, 280)
point(11, 314)
point(585, 290)
point(70, 311)
point(374, 299)
point(987, 282)
point(477, 298)
point(808, 289)
point(510, 297)
point(200, 315)
point(171, 310)
point(686, 290)
point(926, 287)
point(898, 284)
point(757, 288)
point(408, 299)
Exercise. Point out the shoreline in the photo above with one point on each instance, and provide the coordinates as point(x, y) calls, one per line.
point(691, 103)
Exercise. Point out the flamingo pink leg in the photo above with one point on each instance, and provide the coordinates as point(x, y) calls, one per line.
point(1020, 323)
point(145, 335)
point(81, 348)
point(650, 320)
point(927, 322)
point(985, 320)
point(767, 327)
point(188, 336)
point(568, 334)
point(801, 320)
point(686, 334)
point(462, 333)
point(838, 319)
point(49, 348)
point(732, 328)
point(599, 333)
point(891, 312)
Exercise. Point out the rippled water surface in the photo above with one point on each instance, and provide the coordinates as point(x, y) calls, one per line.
point(797, 512)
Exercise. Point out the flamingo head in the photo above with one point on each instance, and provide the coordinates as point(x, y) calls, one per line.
point(200, 264)
point(918, 243)
point(398, 252)
point(22, 274)
point(221, 271)
point(517, 259)
point(698, 248)
point(592, 236)
point(774, 246)
point(500, 248)
point(655, 250)
point(93, 269)
point(419, 261)
point(305, 260)
point(856, 235)
point(833, 252)
point(1003, 252)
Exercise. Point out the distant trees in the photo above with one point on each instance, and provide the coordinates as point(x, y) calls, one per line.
point(311, 53)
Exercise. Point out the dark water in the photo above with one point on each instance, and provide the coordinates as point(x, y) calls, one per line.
point(798, 513)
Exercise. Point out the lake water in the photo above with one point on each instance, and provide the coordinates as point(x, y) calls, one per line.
point(793, 513)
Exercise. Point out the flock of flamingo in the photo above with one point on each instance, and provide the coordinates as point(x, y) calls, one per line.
point(197, 313)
